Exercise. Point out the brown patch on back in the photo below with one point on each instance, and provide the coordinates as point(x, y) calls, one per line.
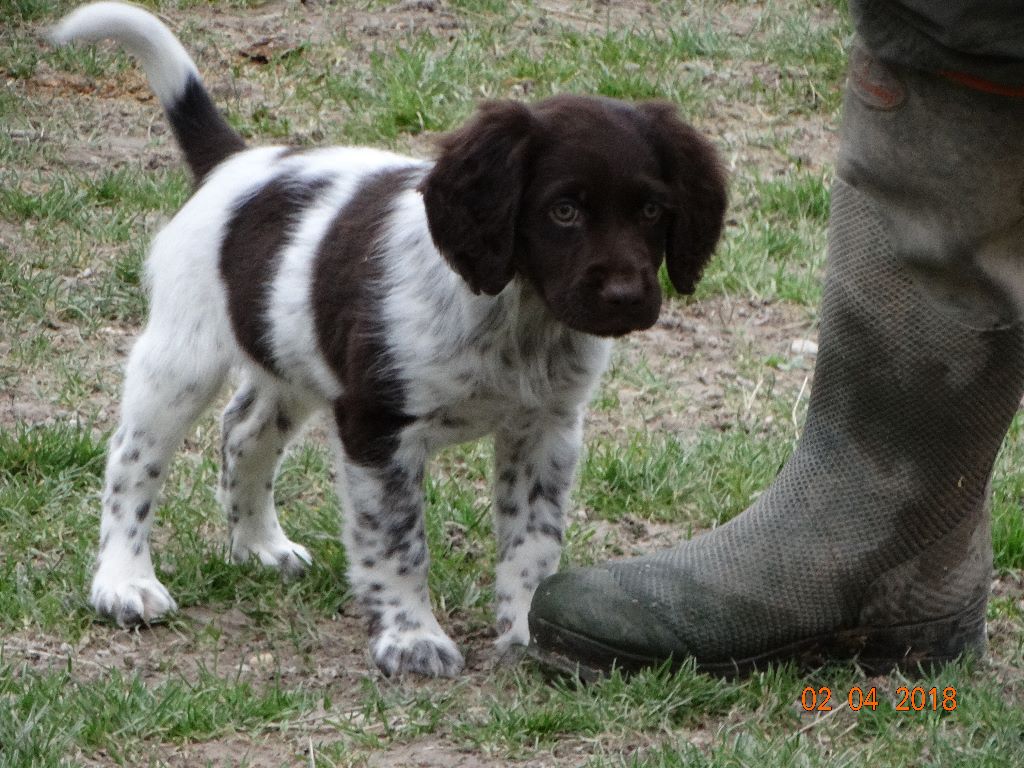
point(346, 308)
point(256, 236)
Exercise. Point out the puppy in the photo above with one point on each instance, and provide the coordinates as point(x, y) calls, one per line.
point(420, 304)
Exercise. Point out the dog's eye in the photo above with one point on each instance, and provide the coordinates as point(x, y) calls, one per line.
point(651, 212)
point(565, 214)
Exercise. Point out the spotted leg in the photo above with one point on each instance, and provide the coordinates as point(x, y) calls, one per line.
point(534, 464)
point(388, 561)
point(167, 387)
point(256, 427)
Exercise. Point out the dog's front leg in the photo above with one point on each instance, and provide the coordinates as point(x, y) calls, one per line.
point(535, 460)
point(386, 546)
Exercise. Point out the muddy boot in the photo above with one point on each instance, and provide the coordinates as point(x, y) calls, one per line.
point(873, 543)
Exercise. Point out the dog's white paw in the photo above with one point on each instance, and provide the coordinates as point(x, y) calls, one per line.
point(513, 620)
point(131, 601)
point(426, 652)
point(519, 634)
point(282, 554)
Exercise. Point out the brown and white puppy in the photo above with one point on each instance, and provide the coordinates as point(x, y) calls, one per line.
point(420, 304)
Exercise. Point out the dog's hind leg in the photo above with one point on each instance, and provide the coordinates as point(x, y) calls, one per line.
point(256, 427)
point(170, 379)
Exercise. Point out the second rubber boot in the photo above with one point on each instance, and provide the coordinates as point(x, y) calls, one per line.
point(874, 540)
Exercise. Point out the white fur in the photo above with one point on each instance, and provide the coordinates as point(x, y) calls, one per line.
point(168, 66)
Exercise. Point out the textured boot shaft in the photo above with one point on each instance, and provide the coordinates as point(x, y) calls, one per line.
point(909, 410)
point(943, 167)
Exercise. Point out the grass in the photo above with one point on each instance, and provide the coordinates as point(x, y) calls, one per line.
point(778, 249)
point(660, 478)
point(47, 715)
point(683, 436)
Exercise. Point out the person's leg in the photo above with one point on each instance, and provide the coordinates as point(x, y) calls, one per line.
point(874, 540)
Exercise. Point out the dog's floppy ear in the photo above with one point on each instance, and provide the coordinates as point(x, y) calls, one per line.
point(472, 194)
point(695, 175)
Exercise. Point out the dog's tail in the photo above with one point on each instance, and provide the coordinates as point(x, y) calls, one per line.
point(203, 134)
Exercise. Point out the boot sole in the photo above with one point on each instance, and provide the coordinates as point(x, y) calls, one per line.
point(911, 648)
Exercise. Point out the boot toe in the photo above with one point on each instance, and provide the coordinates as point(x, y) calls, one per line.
point(586, 616)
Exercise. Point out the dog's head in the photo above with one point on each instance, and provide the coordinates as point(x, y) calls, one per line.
point(583, 197)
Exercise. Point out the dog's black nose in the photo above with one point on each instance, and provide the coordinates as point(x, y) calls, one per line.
point(623, 291)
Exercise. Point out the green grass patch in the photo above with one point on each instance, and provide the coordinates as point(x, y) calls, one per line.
point(113, 197)
point(658, 477)
point(49, 715)
point(47, 477)
point(777, 249)
point(1008, 501)
point(70, 225)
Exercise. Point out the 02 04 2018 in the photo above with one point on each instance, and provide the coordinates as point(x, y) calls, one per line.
point(906, 698)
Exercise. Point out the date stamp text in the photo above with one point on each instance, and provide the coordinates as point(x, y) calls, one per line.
point(906, 699)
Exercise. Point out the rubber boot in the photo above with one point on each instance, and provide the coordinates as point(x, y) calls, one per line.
point(873, 543)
